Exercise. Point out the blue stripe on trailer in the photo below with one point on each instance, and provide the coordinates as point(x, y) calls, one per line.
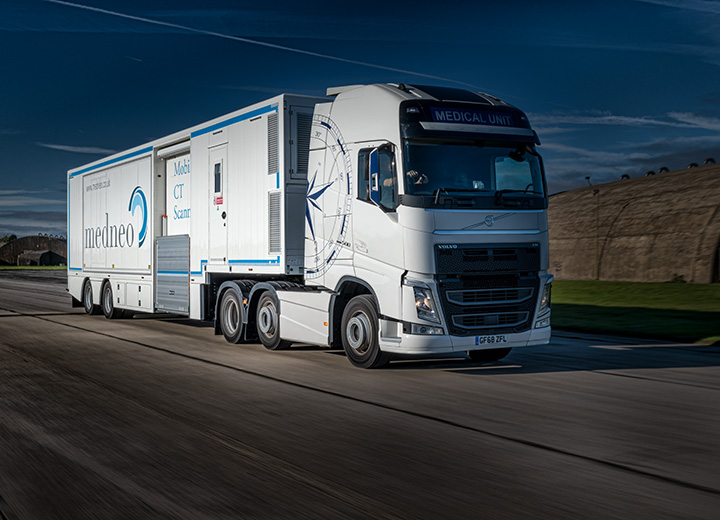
point(112, 161)
point(233, 120)
point(255, 262)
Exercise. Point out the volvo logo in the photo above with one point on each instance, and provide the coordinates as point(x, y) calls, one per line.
point(490, 220)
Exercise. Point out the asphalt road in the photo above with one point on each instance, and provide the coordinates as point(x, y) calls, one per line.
point(158, 418)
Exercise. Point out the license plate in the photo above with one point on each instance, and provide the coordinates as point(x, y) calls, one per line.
point(490, 340)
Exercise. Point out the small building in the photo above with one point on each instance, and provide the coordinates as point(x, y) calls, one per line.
point(33, 258)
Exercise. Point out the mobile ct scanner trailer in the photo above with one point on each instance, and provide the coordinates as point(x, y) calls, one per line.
point(381, 219)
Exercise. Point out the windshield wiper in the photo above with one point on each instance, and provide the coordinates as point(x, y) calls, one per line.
point(502, 192)
point(448, 191)
point(516, 197)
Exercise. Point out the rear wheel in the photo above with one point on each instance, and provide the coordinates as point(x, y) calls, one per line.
point(360, 334)
point(90, 307)
point(231, 316)
point(488, 355)
point(108, 304)
point(268, 323)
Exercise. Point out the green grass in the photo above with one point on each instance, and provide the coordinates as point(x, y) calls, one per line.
point(673, 311)
point(33, 267)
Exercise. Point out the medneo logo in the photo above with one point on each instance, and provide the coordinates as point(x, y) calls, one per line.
point(124, 234)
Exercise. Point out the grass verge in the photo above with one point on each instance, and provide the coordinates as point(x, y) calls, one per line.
point(672, 311)
point(32, 267)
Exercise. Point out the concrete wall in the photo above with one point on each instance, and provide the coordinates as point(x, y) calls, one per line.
point(11, 250)
point(647, 229)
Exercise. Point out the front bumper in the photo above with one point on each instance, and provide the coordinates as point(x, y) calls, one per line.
point(419, 344)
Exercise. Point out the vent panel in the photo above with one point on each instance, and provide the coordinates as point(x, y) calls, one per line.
point(274, 227)
point(304, 126)
point(273, 144)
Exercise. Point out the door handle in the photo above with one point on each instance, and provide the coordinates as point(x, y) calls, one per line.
point(223, 215)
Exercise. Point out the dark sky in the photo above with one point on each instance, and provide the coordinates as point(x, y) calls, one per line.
point(612, 87)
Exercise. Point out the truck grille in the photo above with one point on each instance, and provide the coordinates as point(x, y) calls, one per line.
point(489, 296)
point(489, 320)
point(474, 259)
point(488, 289)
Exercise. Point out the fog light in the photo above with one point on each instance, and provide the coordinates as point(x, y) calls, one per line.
point(425, 329)
point(545, 322)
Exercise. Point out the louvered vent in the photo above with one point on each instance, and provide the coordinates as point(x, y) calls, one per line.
point(274, 241)
point(304, 126)
point(273, 139)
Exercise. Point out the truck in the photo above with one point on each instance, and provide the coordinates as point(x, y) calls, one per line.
point(381, 219)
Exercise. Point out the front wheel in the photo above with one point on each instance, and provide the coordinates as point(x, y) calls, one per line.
point(268, 323)
point(360, 334)
point(488, 355)
point(231, 316)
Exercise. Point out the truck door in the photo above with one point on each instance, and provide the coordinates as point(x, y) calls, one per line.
point(218, 205)
point(377, 236)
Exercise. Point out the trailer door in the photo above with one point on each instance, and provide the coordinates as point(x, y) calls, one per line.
point(218, 206)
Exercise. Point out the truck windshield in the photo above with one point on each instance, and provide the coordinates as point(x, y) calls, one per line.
point(467, 168)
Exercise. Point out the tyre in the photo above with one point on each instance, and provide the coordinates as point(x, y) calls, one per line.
point(231, 316)
point(360, 334)
point(108, 303)
point(268, 323)
point(488, 355)
point(90, 308)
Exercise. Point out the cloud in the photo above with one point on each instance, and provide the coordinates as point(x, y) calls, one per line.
point(605, 118)
point(704, 6)
point(24, 223)
point(78, 149)
point(567, 166)
point(23, 198)
point(675, 143)
point(697, 121)
point(551, 130)
point(599, 157)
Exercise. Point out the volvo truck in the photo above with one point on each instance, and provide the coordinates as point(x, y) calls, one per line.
point(381, 219)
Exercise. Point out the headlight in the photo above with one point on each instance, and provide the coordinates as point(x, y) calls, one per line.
point(424, 302)
point(545, 300)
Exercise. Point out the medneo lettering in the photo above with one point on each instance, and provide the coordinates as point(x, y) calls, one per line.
point(470, 116)
point(109, 235)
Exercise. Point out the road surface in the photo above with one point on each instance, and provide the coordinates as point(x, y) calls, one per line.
point(159, 418)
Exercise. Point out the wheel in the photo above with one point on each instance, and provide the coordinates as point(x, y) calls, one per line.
point(90, 308)
point(488, 355)
point(108, 304)
point(360, 334)
point(231, 316)
point(268, 323)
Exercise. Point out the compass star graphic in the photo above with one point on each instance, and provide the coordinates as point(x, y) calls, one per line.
point(313, 194)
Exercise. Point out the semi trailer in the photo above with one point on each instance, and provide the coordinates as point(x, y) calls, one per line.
point(382, 219)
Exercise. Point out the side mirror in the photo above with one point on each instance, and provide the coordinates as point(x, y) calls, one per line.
point(374, 188)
